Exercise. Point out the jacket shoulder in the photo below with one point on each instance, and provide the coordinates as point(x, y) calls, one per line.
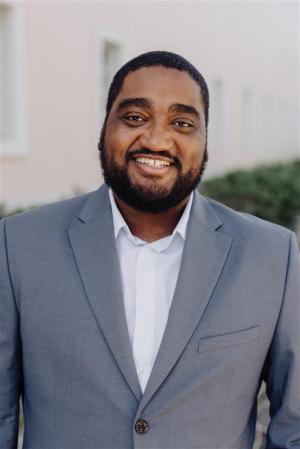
point(57, 215)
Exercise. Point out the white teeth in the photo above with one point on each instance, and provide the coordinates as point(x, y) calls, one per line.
point(152, 162)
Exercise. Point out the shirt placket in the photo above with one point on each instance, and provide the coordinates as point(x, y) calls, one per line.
point(143, 339)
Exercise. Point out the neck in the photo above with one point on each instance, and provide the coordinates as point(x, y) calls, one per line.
point(149, 226)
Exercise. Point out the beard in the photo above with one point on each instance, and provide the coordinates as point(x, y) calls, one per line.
point(153, 197)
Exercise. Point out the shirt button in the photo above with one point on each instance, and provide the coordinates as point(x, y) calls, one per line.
point(141, 426)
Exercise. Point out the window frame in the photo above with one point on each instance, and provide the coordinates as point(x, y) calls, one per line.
point(16, 144)
point(101, 90)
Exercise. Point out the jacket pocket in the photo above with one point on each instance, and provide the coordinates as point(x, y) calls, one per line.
point(228, 340)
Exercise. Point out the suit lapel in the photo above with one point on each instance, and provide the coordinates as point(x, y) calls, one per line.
point(204, 255)
point(203, 258)
point(94, 248)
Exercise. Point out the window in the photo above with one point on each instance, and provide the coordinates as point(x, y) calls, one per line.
point(108, 62)
point(11, 80)
point(247, 118)
point(111, 59)
point(218, 111)
point(268, 127)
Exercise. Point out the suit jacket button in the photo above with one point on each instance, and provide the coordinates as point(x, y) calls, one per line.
point(141, 426)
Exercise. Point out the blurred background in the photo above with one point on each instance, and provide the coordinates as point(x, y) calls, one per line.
point(57, 59)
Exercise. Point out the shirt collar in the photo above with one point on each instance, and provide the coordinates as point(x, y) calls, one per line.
point(119, 222)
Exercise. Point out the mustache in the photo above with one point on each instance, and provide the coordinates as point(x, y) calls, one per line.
point(146, 151)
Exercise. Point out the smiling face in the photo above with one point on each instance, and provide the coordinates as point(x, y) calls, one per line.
point(154, 147)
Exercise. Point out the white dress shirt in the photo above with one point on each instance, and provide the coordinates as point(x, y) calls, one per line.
point(149, 274)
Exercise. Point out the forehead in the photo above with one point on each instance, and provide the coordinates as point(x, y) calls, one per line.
point(162, 85)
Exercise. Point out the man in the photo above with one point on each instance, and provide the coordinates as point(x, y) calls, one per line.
point(143, 315)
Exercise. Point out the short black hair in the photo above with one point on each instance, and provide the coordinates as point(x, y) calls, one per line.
point(157, 58)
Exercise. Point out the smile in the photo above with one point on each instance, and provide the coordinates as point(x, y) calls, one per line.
point(157, 163)
point(148, 166)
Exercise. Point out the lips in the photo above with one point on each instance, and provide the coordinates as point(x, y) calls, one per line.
point(151, 165)
point(152, 162)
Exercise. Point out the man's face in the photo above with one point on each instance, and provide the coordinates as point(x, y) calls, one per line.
point(154, 143)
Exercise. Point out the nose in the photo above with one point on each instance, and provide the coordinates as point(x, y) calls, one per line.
point(156, 138)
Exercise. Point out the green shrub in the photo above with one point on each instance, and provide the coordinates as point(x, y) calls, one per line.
point(269, 192)
point(5, 213)
point(2, 210)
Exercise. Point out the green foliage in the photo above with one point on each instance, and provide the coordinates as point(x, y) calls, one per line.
point(269, 192)
point(5, 213)
point(2, 210)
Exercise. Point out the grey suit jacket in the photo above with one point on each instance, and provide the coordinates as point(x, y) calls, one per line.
point(64, 344)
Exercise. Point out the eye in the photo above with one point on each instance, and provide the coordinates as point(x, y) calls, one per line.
point(182, 124)
point(133, 119)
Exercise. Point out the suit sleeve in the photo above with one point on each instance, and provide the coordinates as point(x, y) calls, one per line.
point(282, 368)
point(10, 354)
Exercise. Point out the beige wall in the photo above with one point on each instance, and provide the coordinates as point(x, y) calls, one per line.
point(249, 46)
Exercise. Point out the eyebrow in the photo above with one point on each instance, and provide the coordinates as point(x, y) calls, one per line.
point(145, 103)
point(139, 102)
point(184, 108)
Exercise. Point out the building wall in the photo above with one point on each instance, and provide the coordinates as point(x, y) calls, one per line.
point(247, 51)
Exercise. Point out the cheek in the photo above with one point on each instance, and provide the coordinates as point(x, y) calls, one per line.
point(198, 156)
point(193, 157)
point(192, 149)
point(118, 140)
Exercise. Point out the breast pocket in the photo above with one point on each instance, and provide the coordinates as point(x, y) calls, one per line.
point(228, 340)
